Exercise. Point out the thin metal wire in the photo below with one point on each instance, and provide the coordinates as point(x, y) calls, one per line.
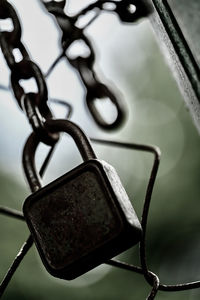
point(155, 286)
point(144, 269)
point(151, 277)
point(125, 266)
point(53, 65)
point(67, 105)
point(23, 251)
point(46, 161)
point(11, 212)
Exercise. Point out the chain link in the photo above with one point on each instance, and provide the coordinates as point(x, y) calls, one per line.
point(85, 65)
point(34, 104)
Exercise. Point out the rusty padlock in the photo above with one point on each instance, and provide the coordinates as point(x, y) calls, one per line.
point(83, 218)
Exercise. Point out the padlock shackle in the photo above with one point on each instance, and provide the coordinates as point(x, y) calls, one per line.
point(79, 137)
point(28, 160)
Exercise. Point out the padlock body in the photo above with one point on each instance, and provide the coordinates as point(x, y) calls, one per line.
point(81, 220)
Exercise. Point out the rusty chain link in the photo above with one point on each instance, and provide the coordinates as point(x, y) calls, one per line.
point(36, 107)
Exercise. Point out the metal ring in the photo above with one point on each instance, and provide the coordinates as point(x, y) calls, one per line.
point(36, 120)
point(7, 11)
point(101, 91)
point(27, 69)
point(8, 47)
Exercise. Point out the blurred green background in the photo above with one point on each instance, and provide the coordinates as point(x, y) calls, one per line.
point(130, 56)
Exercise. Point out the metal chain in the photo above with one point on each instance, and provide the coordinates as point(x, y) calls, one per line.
point(71, 32)
point(37, 110)
point(34, 104)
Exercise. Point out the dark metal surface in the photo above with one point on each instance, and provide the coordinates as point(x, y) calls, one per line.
point(81, 220)
point(88, 199)
point(177, 24)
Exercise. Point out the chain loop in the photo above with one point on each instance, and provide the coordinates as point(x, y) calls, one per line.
point(8, 48)
point(85, 65)
point(8, 12)
point(27, 69)
point(28, 103)
point(34, 104)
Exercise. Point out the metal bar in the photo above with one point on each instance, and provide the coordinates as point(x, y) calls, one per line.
point(171, 27)
point(11, 212)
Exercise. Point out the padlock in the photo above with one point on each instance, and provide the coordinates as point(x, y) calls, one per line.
point(83, 218)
